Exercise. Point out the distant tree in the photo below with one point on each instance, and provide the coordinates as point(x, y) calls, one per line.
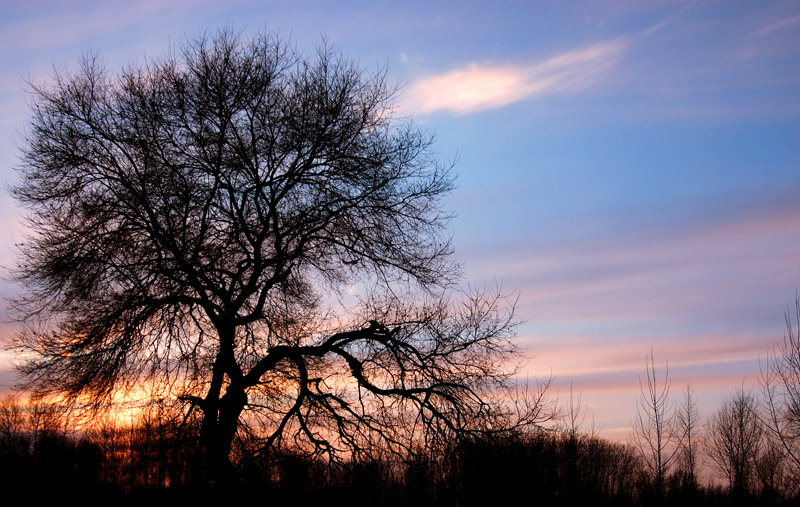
point(196, 224)
point(775, 481)
point(686, 428)
point(734, 439)
point(573, 417)
point(780, 381)
point(34, 443)
point(653, 427)
point(546, 468)
point(14, 431)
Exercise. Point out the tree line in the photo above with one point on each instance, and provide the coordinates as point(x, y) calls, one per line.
point(751, 442)
point(743, 454)
point(158, 454)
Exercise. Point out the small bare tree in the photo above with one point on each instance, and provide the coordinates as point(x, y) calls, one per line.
point(573, 417)
point(653, 427)
point(735, 437)
point(780, 382)
point(686, 426)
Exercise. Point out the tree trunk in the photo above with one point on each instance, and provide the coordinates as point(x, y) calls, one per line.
point(217, 434)
point(221, 412)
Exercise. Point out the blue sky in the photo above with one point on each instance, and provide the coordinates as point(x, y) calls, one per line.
point(631, 169)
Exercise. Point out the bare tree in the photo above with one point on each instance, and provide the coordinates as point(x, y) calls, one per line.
point(776, 481)
point(780, 381)
point(573, 417)
point(686, 420)
point(14, 429)
point(734, 441)
point(653, 427)
point(196, 224)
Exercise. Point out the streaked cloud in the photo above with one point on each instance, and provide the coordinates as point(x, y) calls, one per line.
point(478, 87)
point(707, 294)
point(62, 25)
point(608, 362)
point(657, 268)
point(777, 26)
point(776, 38)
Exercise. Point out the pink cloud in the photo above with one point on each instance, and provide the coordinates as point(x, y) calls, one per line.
point(478, 87)
point(707, 297)
point(689, 355)
point(689, 273)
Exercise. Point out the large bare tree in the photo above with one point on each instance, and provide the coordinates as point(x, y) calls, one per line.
point(195, 225)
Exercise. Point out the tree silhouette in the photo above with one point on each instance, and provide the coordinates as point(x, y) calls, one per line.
point(735, 439)
point(781, 385)
point(195, 226)
point(686, 420)
point(653, 433)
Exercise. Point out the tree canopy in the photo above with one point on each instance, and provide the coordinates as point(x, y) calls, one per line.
point(196, 223)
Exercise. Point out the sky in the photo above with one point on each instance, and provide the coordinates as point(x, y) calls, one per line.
point(628, 170)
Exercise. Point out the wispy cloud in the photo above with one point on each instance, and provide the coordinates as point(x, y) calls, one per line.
point(67, 26)
point(657, 267)
point(619, 359)
point(707, 293)
point(771, 28)
point(776, 37)
point(478, 87)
